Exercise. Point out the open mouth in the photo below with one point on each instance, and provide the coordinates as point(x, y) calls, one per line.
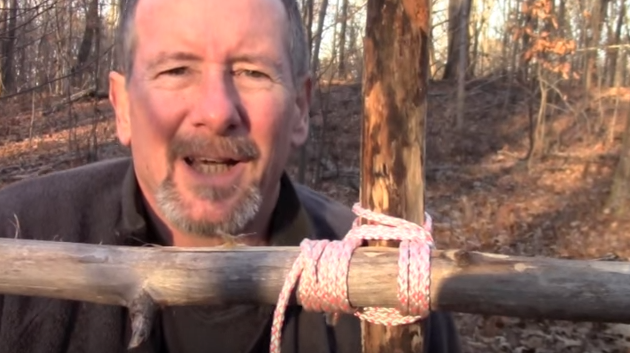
point(210, 165)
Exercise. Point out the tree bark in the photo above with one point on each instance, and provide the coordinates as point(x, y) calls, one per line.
point(395, 83)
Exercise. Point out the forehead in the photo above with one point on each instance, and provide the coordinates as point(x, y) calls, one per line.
point(211, 26)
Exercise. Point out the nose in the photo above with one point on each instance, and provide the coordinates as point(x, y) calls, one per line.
point(217, 108)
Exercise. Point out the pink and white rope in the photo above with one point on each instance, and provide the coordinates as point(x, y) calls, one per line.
point(322, 268)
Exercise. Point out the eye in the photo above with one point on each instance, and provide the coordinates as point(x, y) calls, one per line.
point(251, 74)
point(178, 71)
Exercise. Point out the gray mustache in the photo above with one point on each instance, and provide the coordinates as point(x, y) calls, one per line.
point(219, 147)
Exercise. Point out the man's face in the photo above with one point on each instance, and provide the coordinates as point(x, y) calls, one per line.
point(210, 110)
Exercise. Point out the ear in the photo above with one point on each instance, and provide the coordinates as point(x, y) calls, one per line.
point(119, 99)
point(299, 133)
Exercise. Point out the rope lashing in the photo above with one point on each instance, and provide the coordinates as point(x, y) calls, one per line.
point(322, 268)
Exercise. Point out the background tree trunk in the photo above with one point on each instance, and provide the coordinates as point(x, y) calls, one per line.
point(457, 17)
point(598, 16)
point(90, 36)
point(341, 68)
point(8, 52)
point(613, 54)
point(462, 63)
point(318, 38)
point(619, 199)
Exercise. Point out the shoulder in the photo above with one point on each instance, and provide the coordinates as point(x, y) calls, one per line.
point(51, 201)
point(76, 184)
point(329, 217)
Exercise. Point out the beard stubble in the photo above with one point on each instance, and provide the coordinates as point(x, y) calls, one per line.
point(176, 210)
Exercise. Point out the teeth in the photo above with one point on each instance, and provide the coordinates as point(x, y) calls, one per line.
point(208, 166)
point(212, 168)
point(204, 160)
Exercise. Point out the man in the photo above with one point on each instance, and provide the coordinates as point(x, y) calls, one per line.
point(211, 97)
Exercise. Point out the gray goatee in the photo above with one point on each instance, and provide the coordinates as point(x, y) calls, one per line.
point(175, 209)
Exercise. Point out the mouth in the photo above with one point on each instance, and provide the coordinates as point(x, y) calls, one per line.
point(210, 166)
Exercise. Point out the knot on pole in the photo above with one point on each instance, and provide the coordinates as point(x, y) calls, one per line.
point(322, 269)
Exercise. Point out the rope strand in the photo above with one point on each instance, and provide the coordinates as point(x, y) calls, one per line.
point(322, 268)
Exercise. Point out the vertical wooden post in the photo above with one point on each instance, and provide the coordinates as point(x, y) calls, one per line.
point(395, 79)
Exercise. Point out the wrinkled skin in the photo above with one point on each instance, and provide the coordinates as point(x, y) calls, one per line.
point(211, 79)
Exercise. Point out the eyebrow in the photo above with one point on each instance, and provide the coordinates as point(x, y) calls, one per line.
point(257, 59)
point(165, 57)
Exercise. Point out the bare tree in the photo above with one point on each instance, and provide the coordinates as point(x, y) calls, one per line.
point(462, 62)
point(613, 53)
point(90, 36)
point(619, 198)
point(341, 68)
point(458, 17)
point(8, 48)
point(317, 40)
point(598, 16)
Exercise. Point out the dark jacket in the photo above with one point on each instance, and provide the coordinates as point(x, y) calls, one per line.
point(100, 203)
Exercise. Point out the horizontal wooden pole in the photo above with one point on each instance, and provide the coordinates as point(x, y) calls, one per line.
point(461, 281)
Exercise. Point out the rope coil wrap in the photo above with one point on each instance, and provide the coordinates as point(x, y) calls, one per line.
point(322, 268)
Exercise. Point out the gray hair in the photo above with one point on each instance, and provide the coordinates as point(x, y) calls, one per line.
point(298, 49)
